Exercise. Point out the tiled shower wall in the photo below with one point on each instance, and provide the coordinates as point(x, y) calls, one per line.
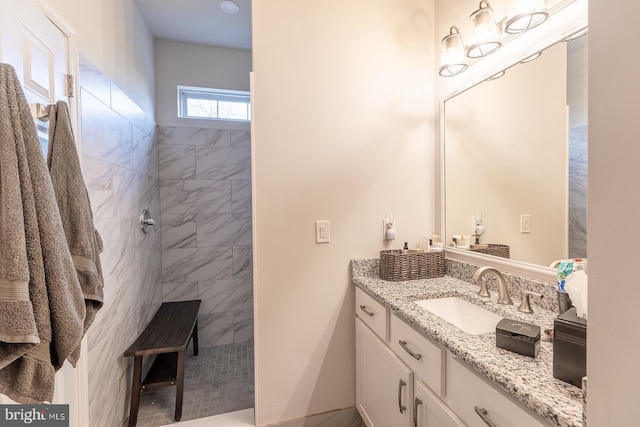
point(205, 192)
point(578, 147)
point(120, 165)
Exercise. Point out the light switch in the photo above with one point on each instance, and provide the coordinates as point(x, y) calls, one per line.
point(525, 223)
point(323, 231)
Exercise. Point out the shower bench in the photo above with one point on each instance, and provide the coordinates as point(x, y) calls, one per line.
point(167, 336)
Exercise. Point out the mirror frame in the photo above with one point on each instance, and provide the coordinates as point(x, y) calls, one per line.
point(570, 19)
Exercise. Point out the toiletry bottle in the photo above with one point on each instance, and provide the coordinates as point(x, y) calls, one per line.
point(406, 248)
point(436, 243)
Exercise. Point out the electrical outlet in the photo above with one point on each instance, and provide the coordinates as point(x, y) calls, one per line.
point(323, 232)
point(525, 223)
point(388, 233)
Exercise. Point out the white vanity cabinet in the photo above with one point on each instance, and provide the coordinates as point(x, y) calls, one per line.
point(479, 404)
point(384, 385)
point(388, 394)
point(389, 384)
point(406, 379)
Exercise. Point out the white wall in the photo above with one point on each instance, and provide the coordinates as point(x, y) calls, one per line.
point(114, 37)
point(343, 131)
point(198, 65)
point(613, 348)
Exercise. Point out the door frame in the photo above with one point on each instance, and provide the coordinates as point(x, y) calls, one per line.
point(80, 379)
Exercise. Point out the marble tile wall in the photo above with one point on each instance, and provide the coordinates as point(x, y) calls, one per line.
point(578, 192)
point(120, 164)
point(205, 192)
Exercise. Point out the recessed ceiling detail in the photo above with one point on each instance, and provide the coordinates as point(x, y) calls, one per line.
point(229, 6)
point(199, 21)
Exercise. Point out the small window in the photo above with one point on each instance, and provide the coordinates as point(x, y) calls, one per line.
point(220, 104)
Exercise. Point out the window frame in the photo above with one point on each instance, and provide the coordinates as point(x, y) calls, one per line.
point(211, 94)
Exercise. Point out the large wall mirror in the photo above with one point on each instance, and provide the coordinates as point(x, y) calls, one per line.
point(515, 159)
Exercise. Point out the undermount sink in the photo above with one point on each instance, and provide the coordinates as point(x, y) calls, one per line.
point(469, 317)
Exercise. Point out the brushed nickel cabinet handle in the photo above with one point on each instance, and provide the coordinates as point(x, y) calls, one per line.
point(403, 344)
point(401, 407)
point(416, 402)
point(367, 312)
point(484, 415)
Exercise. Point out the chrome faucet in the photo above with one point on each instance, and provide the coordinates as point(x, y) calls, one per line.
point(503, 291)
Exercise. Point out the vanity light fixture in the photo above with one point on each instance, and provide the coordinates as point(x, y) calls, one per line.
point(229, 6)
point(531, 58)
point(577, 35)
point(497, 75)
point(522, 15)
point(453, 59)
point(485, 38)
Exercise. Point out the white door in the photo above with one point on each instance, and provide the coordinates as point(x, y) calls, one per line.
point(40, 52)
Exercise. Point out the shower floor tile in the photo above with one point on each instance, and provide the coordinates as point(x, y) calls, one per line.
point(217, 381)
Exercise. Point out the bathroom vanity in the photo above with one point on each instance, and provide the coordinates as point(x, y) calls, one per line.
point(415, 369)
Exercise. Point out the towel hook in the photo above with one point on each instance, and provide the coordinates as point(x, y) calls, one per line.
point(40, 111)
point(147, 221)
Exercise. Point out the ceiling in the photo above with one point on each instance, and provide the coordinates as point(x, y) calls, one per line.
point(198, 21)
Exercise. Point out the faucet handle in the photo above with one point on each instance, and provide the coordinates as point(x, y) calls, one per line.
point(525, 305)
point(146, 221)
point(484, 291)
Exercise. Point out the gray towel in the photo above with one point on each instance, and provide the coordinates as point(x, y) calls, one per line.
point(33, 249)
point(75, 211)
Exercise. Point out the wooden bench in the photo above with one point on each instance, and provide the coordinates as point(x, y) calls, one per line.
point(166, 336)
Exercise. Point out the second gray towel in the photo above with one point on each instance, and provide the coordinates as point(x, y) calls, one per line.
point(74, 205)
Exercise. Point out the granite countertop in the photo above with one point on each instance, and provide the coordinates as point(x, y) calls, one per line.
point(528, 380)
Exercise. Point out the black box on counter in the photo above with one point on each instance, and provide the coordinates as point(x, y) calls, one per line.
point(570, 347)
point(519, 337)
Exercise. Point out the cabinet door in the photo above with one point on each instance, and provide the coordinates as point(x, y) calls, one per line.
point(384, 385)
point(474, 401)
point(429, 411)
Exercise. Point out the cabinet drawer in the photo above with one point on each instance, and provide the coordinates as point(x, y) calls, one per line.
point(467, 391)
point(373, 314)
point(423, 356)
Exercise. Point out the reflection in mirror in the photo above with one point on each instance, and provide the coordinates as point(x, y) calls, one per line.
point(515, 159)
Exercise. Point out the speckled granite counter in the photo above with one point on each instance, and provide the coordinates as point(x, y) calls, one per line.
point(528, 380)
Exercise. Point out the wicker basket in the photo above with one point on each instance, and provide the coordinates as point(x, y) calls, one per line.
point(495, 250)
point(396, 265)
